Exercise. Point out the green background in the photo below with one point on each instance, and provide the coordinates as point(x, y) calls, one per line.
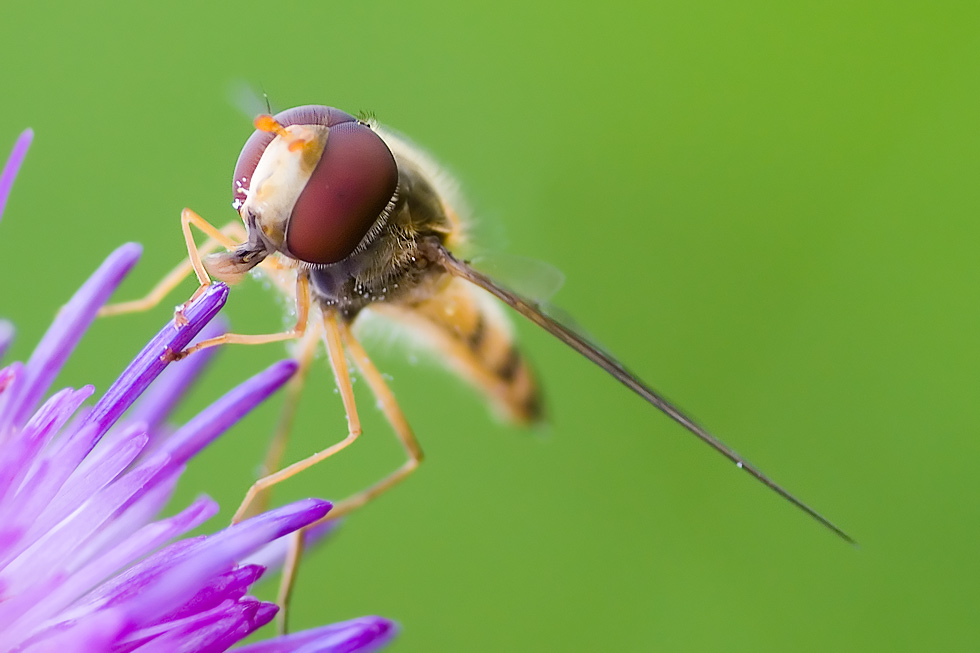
point(769, 210)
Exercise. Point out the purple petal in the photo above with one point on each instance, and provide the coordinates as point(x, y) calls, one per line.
point(6, 336)
point(222, 414)
point(57, 546)
point(11, 377)
point(239, 540)
point(150, 362)
point(18, 455)
point(217, 418)
point(58, 466)
point(273, 554)
point(12, 166)
point(157, 402)
point(160, 584)
point(67, 329)
point(136, 513)
point(143, 573)
point(232, 585)
point(363, 634)
point(81, 486)
point(211, 631)
point(57, 601)
point(92, 635)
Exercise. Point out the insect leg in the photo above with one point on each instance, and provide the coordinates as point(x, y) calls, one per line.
point(175, 276)
point(396, 418)
point(188, 218)
point(402, 429)
point(335, 350)
point(290, 569)
point(277, 445)
point(302, 318)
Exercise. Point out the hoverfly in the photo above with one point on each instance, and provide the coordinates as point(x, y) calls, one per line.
point(347, 216)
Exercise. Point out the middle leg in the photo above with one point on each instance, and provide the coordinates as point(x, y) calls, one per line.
point(338, 362)
point(302, 319)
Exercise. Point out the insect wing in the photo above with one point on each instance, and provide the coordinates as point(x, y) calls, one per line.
point(528, 277)
point(534, 312)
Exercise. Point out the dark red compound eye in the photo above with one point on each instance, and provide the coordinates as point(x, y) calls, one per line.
point(349, 188)
point(310, 114)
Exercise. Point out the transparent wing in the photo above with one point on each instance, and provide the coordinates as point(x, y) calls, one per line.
point(536, 280)
point(534, 312)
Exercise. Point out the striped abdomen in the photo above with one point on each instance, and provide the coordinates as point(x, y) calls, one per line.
point(474, 337)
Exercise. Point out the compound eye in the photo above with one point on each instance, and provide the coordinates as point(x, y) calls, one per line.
point(310, 114)
point(351, 185)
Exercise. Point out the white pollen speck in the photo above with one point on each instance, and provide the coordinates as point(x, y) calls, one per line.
point(739, 464)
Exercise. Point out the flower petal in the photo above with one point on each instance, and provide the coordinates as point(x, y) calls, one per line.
point(148, 538)
point(232, 585)
point(89, 636)
point(163, 582)
point(12, 166)
point(17, 457)
point(363, 634)
point(212, 630)
point(273, 554)
point(152, 360)
point(157, 402)
point(67, 329)
point(82, 486)
point(225, 412)
point(6, 336)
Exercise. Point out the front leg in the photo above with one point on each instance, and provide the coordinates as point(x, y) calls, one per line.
point(188, 218)
point(166, 285)
point(302, 319)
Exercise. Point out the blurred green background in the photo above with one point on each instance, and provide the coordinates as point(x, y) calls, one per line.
point(769, 210)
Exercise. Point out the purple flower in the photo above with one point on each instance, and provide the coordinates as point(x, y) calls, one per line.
point(84, 565)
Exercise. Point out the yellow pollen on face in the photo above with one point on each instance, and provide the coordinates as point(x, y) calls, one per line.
point(304, 141)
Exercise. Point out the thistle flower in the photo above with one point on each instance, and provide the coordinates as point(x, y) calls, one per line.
point(83, 564)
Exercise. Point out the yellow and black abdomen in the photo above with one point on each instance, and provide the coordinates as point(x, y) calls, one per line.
point(474, 339)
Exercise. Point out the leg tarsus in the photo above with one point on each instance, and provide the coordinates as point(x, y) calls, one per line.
point(290, 570)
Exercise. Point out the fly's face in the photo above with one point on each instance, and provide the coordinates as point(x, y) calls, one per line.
point(283, 171)
point(313, 184)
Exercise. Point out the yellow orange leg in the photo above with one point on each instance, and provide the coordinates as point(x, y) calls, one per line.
point(396, 418)
point(335, 350)
point(175, 276)
point(398, 422)
point(188, 218)
point(277, 445)
point(302, 318)
point(290, 569)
